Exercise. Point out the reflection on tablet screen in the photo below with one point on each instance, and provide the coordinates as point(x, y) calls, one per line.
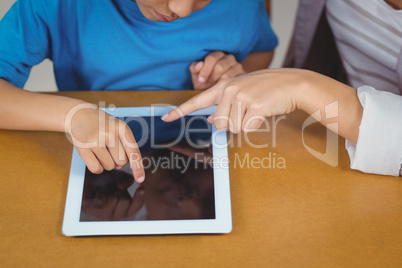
point(178, 184)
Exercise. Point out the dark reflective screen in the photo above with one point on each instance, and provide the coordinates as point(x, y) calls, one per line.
point(178, 176)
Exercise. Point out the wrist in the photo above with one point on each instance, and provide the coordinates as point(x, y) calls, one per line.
point(306, 90)
point(69, 108)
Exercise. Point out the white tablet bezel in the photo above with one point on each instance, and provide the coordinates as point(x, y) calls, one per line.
point(223, 216)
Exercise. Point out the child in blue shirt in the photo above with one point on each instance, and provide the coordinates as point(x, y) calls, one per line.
point(122, 45)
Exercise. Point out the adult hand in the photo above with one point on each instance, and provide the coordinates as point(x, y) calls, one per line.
point(244, 102)
point(217, 65)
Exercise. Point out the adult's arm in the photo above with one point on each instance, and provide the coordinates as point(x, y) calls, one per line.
point(379, 146)
point(367, 118)
point(244, 99)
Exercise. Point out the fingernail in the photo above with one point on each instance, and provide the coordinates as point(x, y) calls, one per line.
point(118, 167)
point(201, 79)
point(140, 179)
point(164, 117)
point(198, 66)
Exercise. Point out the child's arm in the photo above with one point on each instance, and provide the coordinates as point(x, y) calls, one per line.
point(244, 101)
point(218, 65)
point(257, 61)
point(102, 141)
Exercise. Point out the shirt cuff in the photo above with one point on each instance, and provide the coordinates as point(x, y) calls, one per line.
point(379, 145)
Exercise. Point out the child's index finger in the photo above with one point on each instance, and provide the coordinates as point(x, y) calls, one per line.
point(136, 164)
point(201, 101)
point(133, 154)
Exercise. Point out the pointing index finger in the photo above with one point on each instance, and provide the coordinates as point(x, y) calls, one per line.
point(203, 100)
point(133, 153)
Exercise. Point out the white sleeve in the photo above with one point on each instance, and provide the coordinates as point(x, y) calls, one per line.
point(379, 145)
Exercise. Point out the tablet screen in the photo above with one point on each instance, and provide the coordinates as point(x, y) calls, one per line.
point(179, 183)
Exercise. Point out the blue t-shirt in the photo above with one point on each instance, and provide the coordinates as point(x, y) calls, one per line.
point(110, 45)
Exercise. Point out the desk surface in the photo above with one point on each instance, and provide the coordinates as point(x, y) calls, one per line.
point(304, 214)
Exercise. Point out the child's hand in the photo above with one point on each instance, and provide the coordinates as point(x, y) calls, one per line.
point(103, 141)
point(216, 65)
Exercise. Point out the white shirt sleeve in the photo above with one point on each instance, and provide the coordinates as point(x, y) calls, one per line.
point(379, 145)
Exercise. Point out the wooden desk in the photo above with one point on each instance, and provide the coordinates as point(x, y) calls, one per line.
point(306, 215)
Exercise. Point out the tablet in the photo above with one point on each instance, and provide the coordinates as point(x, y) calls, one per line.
point(186, 188)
